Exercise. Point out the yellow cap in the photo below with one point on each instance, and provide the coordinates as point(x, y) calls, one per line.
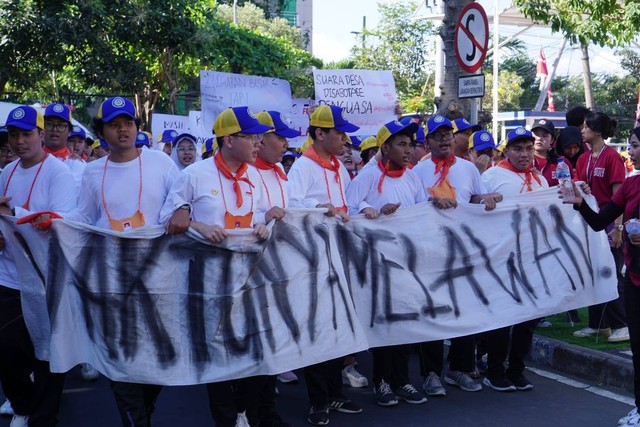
point(369, 142)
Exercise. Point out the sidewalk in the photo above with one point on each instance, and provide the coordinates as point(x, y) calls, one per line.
point(613, 369)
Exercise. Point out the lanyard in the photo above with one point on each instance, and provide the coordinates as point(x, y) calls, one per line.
point(33, 183)
point(104, 174)
point(264, 184)
point(224, 199)
point(595, 163)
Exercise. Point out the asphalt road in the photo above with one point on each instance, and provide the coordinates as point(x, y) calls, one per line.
point(549, 404)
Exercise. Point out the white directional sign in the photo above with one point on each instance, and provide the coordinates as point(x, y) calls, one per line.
point(472, 37)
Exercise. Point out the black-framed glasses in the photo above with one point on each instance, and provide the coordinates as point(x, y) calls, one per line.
point(448, 136)
point(57, 126)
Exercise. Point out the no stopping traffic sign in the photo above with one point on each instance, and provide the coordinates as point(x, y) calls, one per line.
point(472, 37)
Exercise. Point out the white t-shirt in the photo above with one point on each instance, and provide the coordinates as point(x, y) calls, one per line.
point(275, 189)
point(363, 190)
point(463, 177)
point(311, 185)
point(122, 189)
point(53, 190)
point(508, 183)
point(201, 186)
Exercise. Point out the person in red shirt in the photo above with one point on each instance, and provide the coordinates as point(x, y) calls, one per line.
point(625, 202)
point(545, 159)
point(603, 170)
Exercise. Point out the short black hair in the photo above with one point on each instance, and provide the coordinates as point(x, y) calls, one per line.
point(312, 131)
point(405, 132)
point(575, 116)
point(220, 141)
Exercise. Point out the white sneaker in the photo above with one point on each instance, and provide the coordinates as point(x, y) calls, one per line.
point(590, 332)
point(19, 421)
point(242, 420)
point(6, 408)
point(353, 378)
point(619, 335)
point(88, 372)
point(633, 414)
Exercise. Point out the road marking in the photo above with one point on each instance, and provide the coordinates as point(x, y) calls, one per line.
point(583, 386)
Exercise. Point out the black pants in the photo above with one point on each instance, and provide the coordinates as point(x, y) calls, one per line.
point(249, 392)
point(632, 306)
point(40, 399)
point(222, 403)
point(324, 381)
point(391, 364)
point(136, 402)
point(498, 347)
point(611, 314)
point(460, 358)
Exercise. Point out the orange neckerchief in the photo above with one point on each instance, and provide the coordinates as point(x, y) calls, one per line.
point(527, 172)
point(442, 168)
point(386, 172)
point(262, 165)
point(224, 169)
point(62, 153)
point(333, 165)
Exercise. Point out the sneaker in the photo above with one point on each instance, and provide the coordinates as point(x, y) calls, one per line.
point(288, 377)
point(520, 381)
point(544, 323)
point(353, 378)
point(462, 380)
point(345, 405)
point(242, 420)
point(318, 415)
point(590, 332)
point(630, 417)
point(384, 395)
point(6, 408)
point(499, 383)
point(88, 372)
point(19, 421)
point(619, 335)
point(432, 385)
point(409, 394)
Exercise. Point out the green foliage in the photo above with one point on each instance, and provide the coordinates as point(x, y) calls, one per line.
point(603, 22)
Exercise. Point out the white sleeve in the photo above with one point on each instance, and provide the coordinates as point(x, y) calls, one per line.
point(61, 194)
point(88, 210)
point(298, 186)
point(357, 191)
point(478, 185)
point(181, 193)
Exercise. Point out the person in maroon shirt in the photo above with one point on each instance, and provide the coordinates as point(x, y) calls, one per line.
point(603, 170)
point(625, 202)
point(545, 159)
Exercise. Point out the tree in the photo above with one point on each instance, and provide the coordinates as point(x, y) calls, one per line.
point(402, 45)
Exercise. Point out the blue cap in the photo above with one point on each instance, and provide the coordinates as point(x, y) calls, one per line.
point(58, 110)
point(331, 117)
point(394, 127)
point(238, 119)
point(354, 141)
point(436, 122)
point(114, 107)
point(78, 131)
point(290, 153)
point(482, 140)
point(519, 133)
point(182, 136)
point(25, 117)
point(420, 136)
point(143, 138)
point(462, 124)
point(168, 135)
point(208, 145)
point(275, 120)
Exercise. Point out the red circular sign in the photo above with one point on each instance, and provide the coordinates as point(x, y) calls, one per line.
point(472, 37)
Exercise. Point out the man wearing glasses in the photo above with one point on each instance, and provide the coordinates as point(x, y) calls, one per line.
point(57, 128)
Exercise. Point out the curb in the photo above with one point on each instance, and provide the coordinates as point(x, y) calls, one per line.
point(598, 366)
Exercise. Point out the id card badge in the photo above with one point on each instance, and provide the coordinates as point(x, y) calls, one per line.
point(134, 221)
point(342, 209)
point(237, 221)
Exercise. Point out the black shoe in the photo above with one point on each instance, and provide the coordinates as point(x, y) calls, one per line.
point(318, 415)
point(499, 383)
point(344, 405)
point(520, 381)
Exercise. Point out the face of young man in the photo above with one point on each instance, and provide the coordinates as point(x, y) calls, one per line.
point(186, 152)
point(461, 148)
point(120, 134)
point(273, 147)
point(520, 153)
point(397, 151)
point(634, 151)
point(26, 144)
point(243, 147)
point(332, 141)
point(418, 151)
point(166, 148)
point(6, 155)
point(76, 145)
point(441, 142)
point(346, 158)
point(543, 141)
point(56, 133)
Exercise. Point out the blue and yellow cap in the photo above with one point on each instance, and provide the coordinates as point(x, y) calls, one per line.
point(436, 122)
point(25, 117)
point(519, 133)
point(481, 140)
point(463, 124)
point(143, 139)
point(77, 131)
point(99, 143)
point(58, 110)
point(238, 119)
point(369, 142)
point(276, 120)
point(114, 107)
point(394, 127)
point(167, 135)
point(354, 141)
point(331, 117)
point(209, 144)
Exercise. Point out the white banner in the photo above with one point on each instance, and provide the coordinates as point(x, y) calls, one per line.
point(220, 91)
point(176, 310)
point(160, 122)
point(368, 97)
point(197, 128)
point(299, 117)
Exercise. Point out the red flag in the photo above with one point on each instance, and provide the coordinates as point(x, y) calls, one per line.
point(541, 69)
point(551, 106)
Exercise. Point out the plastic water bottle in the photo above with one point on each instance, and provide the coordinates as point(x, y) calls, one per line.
point(563, 174)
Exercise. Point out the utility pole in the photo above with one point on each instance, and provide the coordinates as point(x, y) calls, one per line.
point(586, 75)
point(363, 32)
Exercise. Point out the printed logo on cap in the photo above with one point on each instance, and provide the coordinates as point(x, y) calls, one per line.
point(58, 108)
point(397, 123)
point(141, 137)
point(542, 122)
point(174, 134)
point(250, 113)
point(18, 114)
point(284, 119)
point(465, 122)
point(76, 128)
point(118, 102)
point(344, 115)
point(485, 137)
point(438, 119)
point(521, 131)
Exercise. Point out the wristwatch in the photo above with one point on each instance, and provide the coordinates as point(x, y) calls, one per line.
point(620, 227)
